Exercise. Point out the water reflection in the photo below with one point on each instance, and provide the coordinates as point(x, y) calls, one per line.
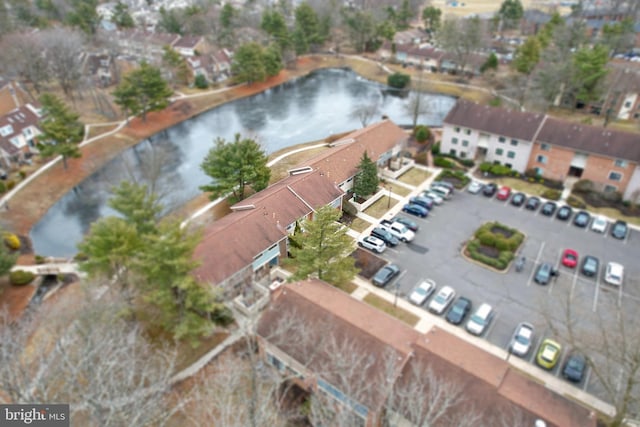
point(306, 109)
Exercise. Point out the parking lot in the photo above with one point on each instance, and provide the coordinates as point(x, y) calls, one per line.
point(436, 254)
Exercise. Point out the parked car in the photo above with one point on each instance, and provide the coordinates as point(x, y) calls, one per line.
point(446, 184)
point(548, 354)
point(543, 273)
point(570, 258)
point(518, 199)
point(437, 199)
point(422, 292)
point(458, 311)
point(614, 274)
point(480, 320)
point(441, 301)
point(372, 243)
point(386, 236)
point(564, 213)
point(581, 219)
point(475, 187)
point(385, 275)
point(416, 210)
point(400, 231)
point(522, 339)
point(422, 201)
point(548, 208)
point(503, 193)
point(443, 192)
point(619, 230)
point(490, 189)
point(590, 265)
point(409, 223)
point(532, 203)
point(574, 367)
point(599, 224)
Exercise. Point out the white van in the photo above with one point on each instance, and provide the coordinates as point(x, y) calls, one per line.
point(479, 321)
point(614, 274)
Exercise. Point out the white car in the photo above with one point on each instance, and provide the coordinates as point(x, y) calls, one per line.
point(614, 274)
point(372, 243)
point(599, 224)
point(437, 199)
point(443, 192)
point(475, 187)
point(522, 338)
point(422, 292)
point(441, 301)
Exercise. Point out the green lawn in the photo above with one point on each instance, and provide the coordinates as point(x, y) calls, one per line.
point(348, 287)
point(384, 305)
point(414, 176)
point(381, 206)
point(360, 225)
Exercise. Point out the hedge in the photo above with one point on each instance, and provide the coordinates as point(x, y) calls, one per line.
point(21, 277)
point(552, 194)
point(575, 202)
point(507, 246)
point(460, 176)
point(398, 80)
point(442, 162)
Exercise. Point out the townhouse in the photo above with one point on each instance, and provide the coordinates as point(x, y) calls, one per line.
point(241, 247)
point(372, 366)
point(553, 148)
point(18, 133)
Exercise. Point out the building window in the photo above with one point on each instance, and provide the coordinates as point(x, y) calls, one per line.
point(457, 129)
point(454, 140)
point(615, 176)
point(467, 131)
point(627, 104)
point(514, 142)
point(275, 362)
point(541, 159)
point(610, 188)
point(511, 154)
point(452, 152)
point(509, 165)
point(499, 151)
point(465, 143)
point(539, 171)
point(463, 154)
point(621, 163)
point(502, 139)
point(545, 147)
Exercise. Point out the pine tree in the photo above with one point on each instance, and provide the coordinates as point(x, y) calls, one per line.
point(61, 130)
point(366, 179)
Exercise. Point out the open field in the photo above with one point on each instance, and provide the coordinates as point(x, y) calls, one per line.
point(468, 7)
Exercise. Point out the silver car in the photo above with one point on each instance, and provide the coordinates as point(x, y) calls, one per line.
point(441, 301)
point(522, 339)
point(422, 292)
point(372, 243)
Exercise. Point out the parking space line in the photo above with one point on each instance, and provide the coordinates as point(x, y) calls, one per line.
point(586, 379)
point(573, 284)
point(595, 297)
point(537, 261)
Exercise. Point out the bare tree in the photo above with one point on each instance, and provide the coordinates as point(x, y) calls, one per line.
point(366, 112)
point(22, 56)
point(461, 38)
point(63, 49)
point(83, 353)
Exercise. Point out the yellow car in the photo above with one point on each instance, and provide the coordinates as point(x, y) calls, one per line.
point(548, 354)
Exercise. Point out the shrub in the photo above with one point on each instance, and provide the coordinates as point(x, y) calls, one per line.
point(39, 259)
point(467, 163)
point(398, 80)
point(487, 238)
point(22, 174)
point(612, 196)
point(500, 170)
point(583, 186)
point(11, 241)
point(575, 202)
point(422, 134)
point(552, 194)
point(443, 162)
point(10, 185)
point(495, 102)
point(80, 257)
point(201, 82)
point(21, 277)
point(3, 187)
point(349, 209)
point(501, 243)
point(435, 149)
point(421, 158)
point(485, 167)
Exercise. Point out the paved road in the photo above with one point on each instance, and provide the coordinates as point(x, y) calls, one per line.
point(436, 254)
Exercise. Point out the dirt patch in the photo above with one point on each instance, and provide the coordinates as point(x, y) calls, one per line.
point(499, 230)
point(367, 262)
point(489, 251)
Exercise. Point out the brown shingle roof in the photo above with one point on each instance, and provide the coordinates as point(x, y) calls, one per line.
point(512, 124)
point(591, 139)
point(188, 42)
point(341, 162)
point(231, 243)
point(18, 119)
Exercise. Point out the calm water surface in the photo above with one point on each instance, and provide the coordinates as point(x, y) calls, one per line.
point(305, 109)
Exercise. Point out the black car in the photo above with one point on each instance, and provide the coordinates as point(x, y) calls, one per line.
point(548, 208)
point(582, 219)
point(590, 265)
point(619, 230)
point(458, 311)
point(409, 223)
point(385, 274)
point(564, 213)
point(532, 203)
point(422, 201)
point(574, 368)
point(518, 199)
point(382, 234)
point(544, 273)
point(490, 189)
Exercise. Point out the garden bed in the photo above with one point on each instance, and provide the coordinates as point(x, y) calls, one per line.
point(367, 262)
point(458, 178)
point(494, 245)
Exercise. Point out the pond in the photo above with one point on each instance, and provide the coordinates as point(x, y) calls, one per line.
point(305, 109)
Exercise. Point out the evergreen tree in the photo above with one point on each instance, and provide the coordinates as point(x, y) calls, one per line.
point(307, 33)
point(177, 64)
point(121, 16)
point(325, 249)
point(137, 205)
point(248, 65)
point(61, 130)
point(143, 90)
point(431, 17)
point(274, 24)
point(366, 180)
point(84, 16)
point(234, 166)
point(7, 259)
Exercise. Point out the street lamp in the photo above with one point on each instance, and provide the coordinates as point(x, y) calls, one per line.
point(389, 196)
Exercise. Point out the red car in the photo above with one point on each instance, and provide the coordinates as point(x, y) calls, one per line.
point(503, 193)
point(570, 258)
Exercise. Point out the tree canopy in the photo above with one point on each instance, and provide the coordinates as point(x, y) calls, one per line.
point(121, 16)
point(234, 166)
point(61, 130)
point(366, 179)
point(325, 249)
point(142, 90)
point(511, 11)
point(527, 56)
point(431, 17)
